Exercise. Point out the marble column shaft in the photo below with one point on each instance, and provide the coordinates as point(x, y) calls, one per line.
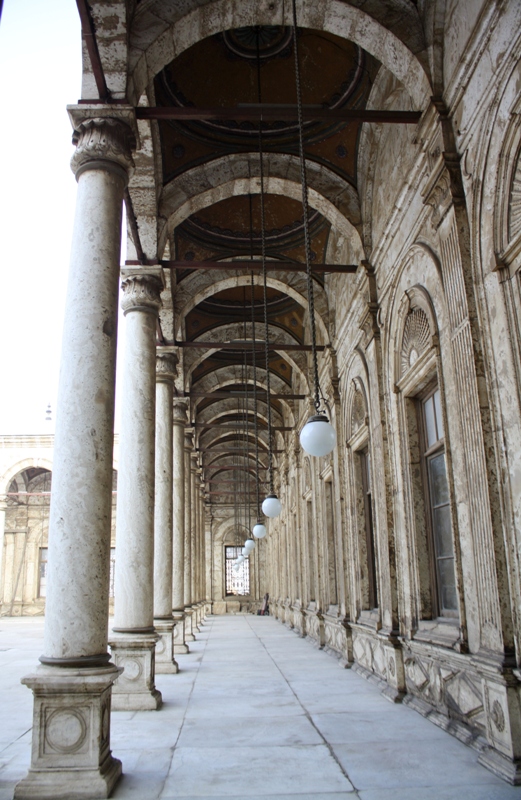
point(178, 591)
point(190, 621)
point(75, 679)
point(163, 543)
point(133, 582)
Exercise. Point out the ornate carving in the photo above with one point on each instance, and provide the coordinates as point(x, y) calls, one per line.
point(65, 730)
point(417, 338)
point(180, 404)
point(166, 367)
point(497, 715)
point(514, 206)
point(358, 411)
point(141, 293)
point(103, 143)
point(437, 193)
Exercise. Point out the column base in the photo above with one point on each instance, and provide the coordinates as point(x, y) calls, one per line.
point(189, 621)
point(165, 661)
point(135, 689)
point(180, 645)
point(71, 757)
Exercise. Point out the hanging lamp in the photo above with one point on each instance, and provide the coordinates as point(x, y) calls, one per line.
point(317, 437)
point(271, 506)
point(258, 526)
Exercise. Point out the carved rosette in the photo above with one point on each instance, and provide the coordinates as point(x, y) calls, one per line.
point(103, 143)
point(141, 293)
point(166, 364)
point(417, 338)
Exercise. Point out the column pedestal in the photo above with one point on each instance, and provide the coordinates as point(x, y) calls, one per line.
point(71, 757)
point(135, 689)
point(190, 625)
point(180, 645)
point(165, 661)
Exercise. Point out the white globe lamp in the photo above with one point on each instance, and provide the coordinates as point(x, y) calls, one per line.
point(249, 545)
point(318, 437)
point(259, 530)
point(271, 506)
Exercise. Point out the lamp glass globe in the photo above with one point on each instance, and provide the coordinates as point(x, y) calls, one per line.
point(249, 545)
point(271, 506)
point(318, 437)
point(259, 531)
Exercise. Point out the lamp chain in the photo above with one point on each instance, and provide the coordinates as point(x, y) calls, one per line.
point(255, 393)
point(265, 281)
point(305, 210)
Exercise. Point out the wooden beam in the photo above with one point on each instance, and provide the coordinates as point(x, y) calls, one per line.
point(274, 113)
point(260, 395)
point(249, 346)
point(238, 422)
point(88, 33)
point(271, 266)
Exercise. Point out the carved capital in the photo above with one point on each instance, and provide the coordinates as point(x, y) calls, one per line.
point(141, 293)
point(103, 143)
point(180, 406)
point(166, 364)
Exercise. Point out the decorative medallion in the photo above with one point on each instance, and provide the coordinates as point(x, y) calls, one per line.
point(416, 338)
point(271, 41)
point(65, 730)
point(497, 716)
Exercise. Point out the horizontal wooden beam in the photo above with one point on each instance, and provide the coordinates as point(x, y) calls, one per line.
point(271, 266)
point(247, 468)
point(239, 422)
point(249, 346)
point(268, 112)
point(260, 395)
point(232, 450)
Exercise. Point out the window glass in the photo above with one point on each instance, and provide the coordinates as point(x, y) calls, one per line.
point(430, 422)
point(42, 592)
point(439, 418)
point(237, 581)
point(438, 476)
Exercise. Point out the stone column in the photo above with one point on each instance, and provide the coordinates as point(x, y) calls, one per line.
point(178, 591)
point(198, 550)
point(133, 646)
point(72, 689)
point(190, 620)
point(163, 550)
point(3, 507)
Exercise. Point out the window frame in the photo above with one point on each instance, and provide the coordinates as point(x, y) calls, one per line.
point(428, 452)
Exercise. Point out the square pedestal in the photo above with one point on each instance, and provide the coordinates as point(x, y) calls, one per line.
point(189, 622)
point(180, 645)
point(135, 689)
point(165, 661)
point(71, 757)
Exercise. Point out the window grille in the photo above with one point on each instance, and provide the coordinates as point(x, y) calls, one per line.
point(237, 581)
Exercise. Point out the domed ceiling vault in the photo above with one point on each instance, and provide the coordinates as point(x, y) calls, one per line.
point(233, 70)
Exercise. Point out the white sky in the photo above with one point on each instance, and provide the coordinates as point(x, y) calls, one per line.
point(40, 73)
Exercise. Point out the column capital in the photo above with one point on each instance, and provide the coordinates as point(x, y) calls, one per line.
point(104, 139)
point(166, 367)
point(189, 439)
point(142, 293)
point(180, 409)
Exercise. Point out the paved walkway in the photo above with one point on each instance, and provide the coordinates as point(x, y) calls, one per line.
point(257, 713)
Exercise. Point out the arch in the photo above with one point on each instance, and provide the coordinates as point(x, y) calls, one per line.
point(21, 466)
point(157, 38)
point(238, 174)
point(196, 288)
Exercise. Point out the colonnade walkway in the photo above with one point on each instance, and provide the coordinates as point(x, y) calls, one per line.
point(256, 712)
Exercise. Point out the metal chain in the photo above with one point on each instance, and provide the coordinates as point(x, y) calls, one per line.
point(255, 423)
point(265, 282)
point(305, 210)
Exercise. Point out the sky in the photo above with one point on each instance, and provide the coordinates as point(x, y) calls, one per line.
point(40, 73)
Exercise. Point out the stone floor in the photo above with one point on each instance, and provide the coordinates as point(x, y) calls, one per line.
point(257, 713)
